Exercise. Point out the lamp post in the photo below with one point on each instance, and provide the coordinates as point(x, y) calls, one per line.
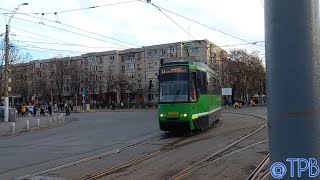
point(260, 84)
point(6, 84)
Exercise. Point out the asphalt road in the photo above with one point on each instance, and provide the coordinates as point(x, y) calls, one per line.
point(89, 134)
point(86, 134)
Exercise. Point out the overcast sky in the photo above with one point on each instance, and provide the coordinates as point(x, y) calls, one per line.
point(133, 23)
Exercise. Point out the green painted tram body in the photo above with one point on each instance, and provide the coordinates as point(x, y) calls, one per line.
point(191, 115)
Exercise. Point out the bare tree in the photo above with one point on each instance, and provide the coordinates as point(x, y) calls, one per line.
point(243, 72)
point(17, 71)
point(76, 81)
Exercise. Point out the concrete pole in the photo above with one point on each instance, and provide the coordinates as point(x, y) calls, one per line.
point(6, 78)
point(293, 80)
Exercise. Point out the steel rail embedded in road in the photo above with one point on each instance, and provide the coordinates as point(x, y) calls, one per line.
point(189, 172)
point(144, 157)
point(206, 161)
point(117, 150)
point(168, 148)
point(255, 174)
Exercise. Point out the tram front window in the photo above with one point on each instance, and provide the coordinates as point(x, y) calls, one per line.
point(173, 91)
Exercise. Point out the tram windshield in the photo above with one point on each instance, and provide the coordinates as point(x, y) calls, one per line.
point(173, 85)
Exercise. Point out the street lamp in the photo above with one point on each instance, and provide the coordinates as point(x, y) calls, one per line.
point(260, 83)
point(6, 84)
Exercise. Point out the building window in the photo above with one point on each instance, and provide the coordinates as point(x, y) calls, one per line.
point(172, 49)
point(139, 75)
point(194, 50)
point(155, 63)
point(163, 51)
point(139, 86)
point(149, 53)
point(149, 75)
point(139, 66)
point(129, 66)
point(111, 58)
point(149, 65)
point(139, 56)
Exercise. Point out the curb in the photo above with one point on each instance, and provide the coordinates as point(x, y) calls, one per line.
point(14, 128)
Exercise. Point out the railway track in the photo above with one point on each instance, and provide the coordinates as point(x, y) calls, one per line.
point(185, 173)
point(110, 152)
point(258, 172)
point(147, 156)
point(218, 155)
point(139, 142)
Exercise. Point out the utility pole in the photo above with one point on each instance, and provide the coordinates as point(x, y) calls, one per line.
point(292, 54)
point(6, 67)
point(6, 77)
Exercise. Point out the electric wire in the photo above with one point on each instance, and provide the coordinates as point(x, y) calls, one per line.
point(63, 44)
point(80, 9)
point(172, 20)
point(32, 46)
point(78, 29)
point(197, 22)
point(70, 31)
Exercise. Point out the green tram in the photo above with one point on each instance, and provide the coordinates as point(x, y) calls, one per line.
point(189, 97)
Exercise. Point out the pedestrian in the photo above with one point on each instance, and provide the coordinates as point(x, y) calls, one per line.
point(42, 113)
point(67, 108)
point(35, 108)
point(121, 104)
point(50, 110)
point(23, 109)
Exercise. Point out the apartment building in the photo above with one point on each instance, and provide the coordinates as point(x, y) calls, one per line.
point(129, 75)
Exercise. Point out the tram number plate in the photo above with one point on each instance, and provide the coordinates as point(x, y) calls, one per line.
point(173, 113)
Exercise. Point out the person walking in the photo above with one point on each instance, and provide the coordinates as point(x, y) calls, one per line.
point(35, 108)
point(23, 109)
point(50, 110)
point(67, 108)
point(121, 104)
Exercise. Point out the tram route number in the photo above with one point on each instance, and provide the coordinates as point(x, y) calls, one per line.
point(173, 70)
point(173, 113)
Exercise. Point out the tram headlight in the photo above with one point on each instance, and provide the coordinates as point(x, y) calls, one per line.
point(185, 115)
point(161, 115)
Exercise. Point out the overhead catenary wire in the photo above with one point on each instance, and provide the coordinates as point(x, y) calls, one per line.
point(63, 44)
point(43, 19)
point(159, 7)
point(70, 31)
point(172, 20)
point(32, 46)
point(80, 9)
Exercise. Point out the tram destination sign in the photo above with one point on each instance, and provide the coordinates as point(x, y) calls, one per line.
point(173, 70)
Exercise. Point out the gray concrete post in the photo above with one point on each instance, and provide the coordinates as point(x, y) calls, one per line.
point(293, 80)
point(27, 124)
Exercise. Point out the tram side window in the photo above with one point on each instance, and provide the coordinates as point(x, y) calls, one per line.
point(201, 82)
point(193, 90)
point(204, 87)
point(209, 84)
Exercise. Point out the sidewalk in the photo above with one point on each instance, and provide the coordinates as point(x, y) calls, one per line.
point(27, 123)
point(118, 110)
